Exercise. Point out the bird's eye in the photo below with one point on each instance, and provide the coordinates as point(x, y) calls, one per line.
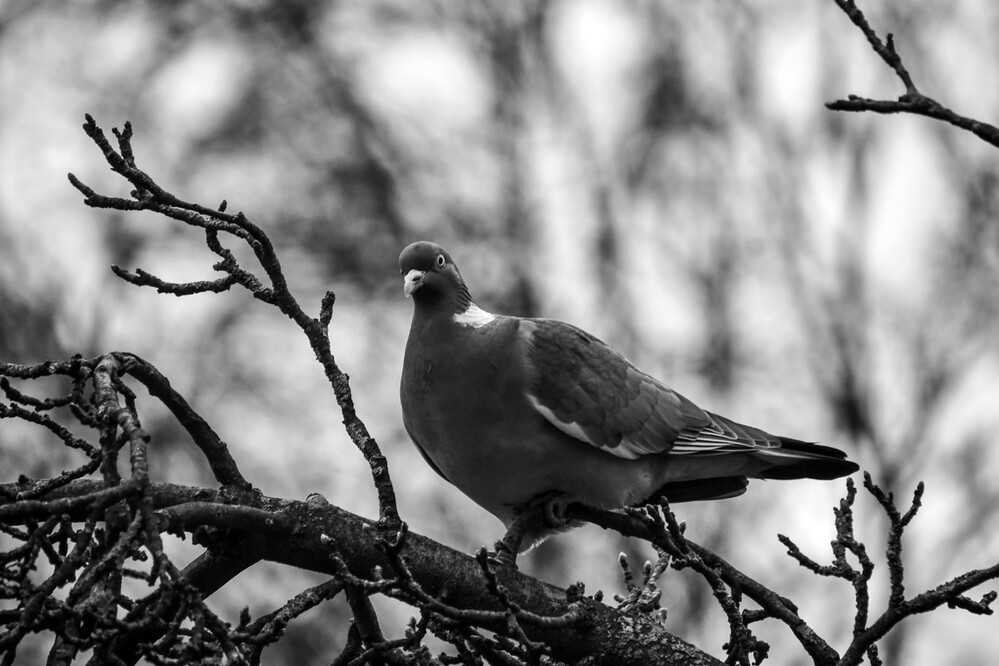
point(440, 261)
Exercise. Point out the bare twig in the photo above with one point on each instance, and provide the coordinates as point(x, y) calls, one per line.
point(270, 627)
point(865, 635)
point(150, 196)
point(215, 450)
point(845, 542)
point(645, 597)
point(743, 646)
point(911, 101)
point(725, 574)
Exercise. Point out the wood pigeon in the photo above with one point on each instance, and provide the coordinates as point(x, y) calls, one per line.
point(529, 415)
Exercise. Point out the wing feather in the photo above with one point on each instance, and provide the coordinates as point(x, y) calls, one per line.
point(591, 392)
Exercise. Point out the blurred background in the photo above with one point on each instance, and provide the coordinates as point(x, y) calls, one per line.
point(660, 173)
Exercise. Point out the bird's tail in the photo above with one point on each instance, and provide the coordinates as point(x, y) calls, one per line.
point(795, 459)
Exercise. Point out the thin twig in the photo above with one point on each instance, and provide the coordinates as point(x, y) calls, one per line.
point(216, 451)
point(148, 195)
point(911, 101)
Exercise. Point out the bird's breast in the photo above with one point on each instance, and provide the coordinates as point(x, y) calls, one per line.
point(463, 403)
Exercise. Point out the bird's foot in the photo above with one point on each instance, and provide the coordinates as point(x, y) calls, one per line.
point(542, 515)
point(506, 551)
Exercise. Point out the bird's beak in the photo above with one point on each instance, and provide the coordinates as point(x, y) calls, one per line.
point(412, 281)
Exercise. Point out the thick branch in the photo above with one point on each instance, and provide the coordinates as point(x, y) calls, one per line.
point(291, 532)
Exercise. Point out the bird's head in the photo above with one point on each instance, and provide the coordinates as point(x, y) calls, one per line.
point(430, 276)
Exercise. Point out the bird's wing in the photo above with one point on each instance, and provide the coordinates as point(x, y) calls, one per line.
point(591, 392)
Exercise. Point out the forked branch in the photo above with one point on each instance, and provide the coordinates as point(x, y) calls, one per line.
point(148, 195)
point(866, 634)
point(912, 100)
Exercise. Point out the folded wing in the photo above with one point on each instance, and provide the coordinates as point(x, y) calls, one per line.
point(591, 392)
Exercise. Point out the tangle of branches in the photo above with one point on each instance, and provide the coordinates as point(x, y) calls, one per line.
point(83, 557)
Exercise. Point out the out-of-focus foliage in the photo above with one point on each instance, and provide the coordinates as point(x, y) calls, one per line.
point(661, 173)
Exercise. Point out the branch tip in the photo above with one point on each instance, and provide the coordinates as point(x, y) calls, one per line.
point(911, 101)
point(326, 309)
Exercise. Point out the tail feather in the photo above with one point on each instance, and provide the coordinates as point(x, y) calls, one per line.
point(795, 459)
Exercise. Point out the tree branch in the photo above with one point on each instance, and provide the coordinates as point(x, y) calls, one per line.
point(912, 101)
point(150, 196)
point(484, 611)
point(215, 450)
point(290, 532)
point(951, 593)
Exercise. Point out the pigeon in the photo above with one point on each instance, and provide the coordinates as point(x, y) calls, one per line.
point(528, 417)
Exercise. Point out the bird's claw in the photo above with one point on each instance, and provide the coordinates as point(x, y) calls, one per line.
point(505, 554)
point(551, 511)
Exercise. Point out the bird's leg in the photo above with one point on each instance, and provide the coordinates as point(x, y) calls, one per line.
point(549, 511)
point(508, 547)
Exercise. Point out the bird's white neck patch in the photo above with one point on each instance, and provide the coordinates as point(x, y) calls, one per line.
point(473, 316)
